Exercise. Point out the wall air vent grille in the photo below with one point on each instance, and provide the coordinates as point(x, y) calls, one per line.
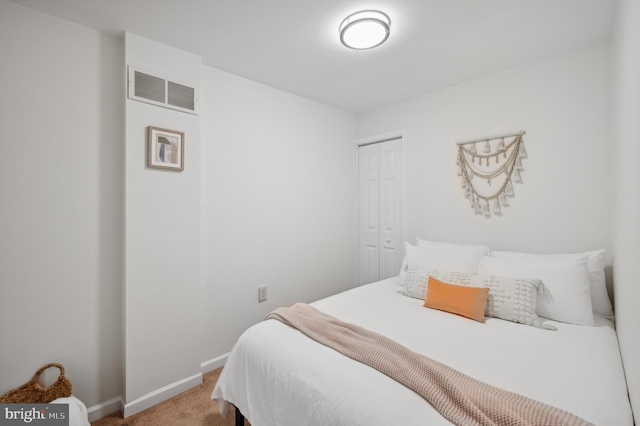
point(149, 87)
point(181, 96)
point(153, 89)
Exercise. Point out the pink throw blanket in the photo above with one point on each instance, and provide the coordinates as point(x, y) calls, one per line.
point(459, 398)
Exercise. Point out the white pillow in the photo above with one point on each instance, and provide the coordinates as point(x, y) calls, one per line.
point(481, 250)
point(511, 299)
point(595, 265)
point(566, 296)
point(448, 259)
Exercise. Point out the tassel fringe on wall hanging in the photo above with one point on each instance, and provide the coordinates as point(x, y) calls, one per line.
point(488, 168)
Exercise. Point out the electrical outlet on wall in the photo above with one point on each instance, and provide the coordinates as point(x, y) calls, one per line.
point(262, 293)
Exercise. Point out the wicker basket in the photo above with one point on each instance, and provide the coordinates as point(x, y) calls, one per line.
point(33, 392)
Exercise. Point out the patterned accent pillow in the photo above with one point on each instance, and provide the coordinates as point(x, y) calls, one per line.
point(416, 276)
point(511, 299)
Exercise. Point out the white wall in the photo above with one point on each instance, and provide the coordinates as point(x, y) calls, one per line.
point(279, 204)
point(162, 267)
point(562, 104)
point(626, 219)
point(61, 186)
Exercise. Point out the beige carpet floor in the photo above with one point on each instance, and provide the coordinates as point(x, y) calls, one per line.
point(193, 407)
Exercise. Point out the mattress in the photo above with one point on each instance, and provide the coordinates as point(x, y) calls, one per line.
point(275, 375)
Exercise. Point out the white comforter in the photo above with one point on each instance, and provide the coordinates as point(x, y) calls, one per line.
point(277, 376)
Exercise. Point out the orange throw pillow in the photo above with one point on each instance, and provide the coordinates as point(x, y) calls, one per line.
point(456, 299)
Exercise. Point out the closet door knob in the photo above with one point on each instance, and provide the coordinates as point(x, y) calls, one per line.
point(388, 240)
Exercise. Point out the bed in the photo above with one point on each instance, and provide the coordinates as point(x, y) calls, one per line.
point(275, 375)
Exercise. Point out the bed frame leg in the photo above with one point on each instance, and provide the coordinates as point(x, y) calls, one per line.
point(239, 418)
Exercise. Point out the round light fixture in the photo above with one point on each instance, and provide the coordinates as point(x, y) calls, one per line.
point(365, 29)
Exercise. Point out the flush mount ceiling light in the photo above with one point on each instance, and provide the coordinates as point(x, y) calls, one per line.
point(365, 29)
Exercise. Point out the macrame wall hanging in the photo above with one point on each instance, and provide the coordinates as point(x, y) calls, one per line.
point(488, 168)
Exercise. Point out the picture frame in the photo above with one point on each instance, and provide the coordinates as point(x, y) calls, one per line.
point(165, 149)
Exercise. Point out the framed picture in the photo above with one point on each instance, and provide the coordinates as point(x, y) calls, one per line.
point(165, 149)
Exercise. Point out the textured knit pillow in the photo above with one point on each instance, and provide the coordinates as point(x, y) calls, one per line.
point(460, 300)
point(416, 275)
point(511, 299)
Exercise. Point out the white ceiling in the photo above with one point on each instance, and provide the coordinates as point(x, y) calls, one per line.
point(293, 45)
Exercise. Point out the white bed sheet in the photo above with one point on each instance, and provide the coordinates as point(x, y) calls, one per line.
point(277, 376)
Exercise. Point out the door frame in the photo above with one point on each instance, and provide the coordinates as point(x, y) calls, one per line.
point(368, 140)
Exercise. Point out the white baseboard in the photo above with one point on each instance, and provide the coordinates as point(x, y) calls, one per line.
point(162, 394)
point(214, 363)
point(99, 411)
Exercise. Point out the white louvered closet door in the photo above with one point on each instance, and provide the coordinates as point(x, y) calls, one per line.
point(379, 211)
